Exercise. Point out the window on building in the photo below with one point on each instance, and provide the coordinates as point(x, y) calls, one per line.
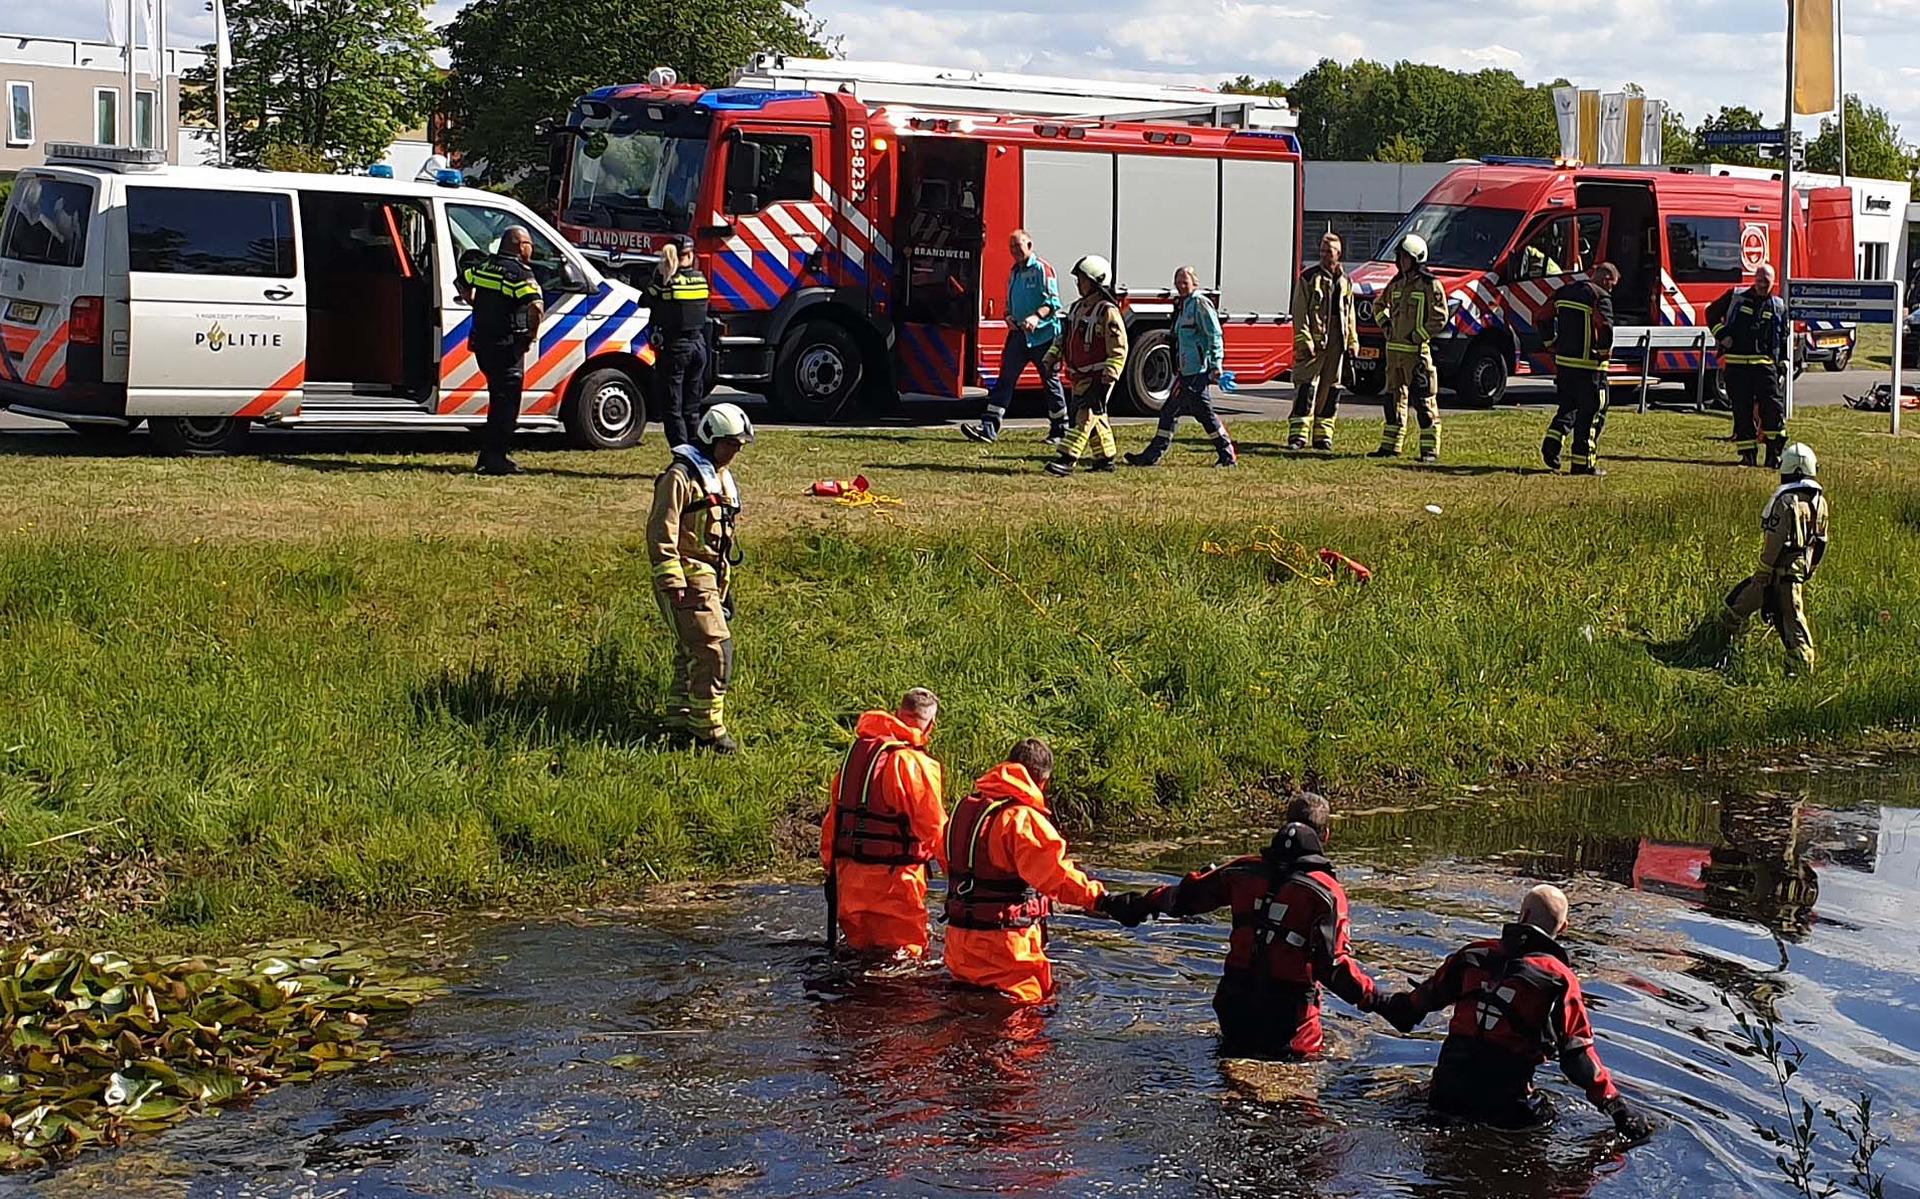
point(1704, 249)
point(106, 116)
point(19, 114)
point(143, 107)
point(183, 231)
point(1873, 260)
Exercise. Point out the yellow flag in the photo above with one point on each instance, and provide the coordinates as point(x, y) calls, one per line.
point(1589, 124)
point(1636, 127)
point(1813, 91)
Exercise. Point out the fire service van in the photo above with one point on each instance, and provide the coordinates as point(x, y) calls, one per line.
point(204, 301)
point(1504, 235)
point(861, 250)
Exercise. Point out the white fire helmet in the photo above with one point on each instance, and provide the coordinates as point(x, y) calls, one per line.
point(1415, 247)
point(1798, 459)
point(1095, 270)
point(723, 421)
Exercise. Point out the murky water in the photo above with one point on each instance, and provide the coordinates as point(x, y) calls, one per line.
point(685, 1054)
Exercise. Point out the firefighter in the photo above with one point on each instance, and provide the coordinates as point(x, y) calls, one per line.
point(1580, 338)
point(1516, 1002)
point(1093, 347)
point(1413, 310)
point(1006, 867)
point(884, 824)
point(1325, 338)
point(690, 541)
point(1290, 936)
point(1033, 325)
point(1199, 356)
point(507, 310)
point(1794, 540)
point(677, 297)
point(1754, 335)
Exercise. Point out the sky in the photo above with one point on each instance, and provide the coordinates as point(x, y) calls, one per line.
point(1696, 54)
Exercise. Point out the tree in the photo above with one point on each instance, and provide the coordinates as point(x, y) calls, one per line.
point(1244, 85)
point(1874, 148)
point(1729, 119)
point(339, 77)
point(1399, 148)
point(1676, 140)
point(517, 62)
point(1365, 110)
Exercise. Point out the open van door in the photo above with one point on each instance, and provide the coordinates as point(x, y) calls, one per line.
point(218, 306)
point(1829, 235)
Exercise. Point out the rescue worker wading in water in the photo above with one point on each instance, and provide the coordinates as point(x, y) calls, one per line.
point(1516, 1002)
point(1093, 347)
point(690, 541)
point(1413, 310)
point(1006, 867)
point(1794, 528)
point(1290, 936)
point(884, 824)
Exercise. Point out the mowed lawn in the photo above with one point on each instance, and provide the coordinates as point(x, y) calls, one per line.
point(364, 679)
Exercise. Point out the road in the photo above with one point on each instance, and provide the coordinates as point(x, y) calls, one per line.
point(1813, 389)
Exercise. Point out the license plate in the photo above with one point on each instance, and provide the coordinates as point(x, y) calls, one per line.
point(1367, 353)
point(1836, 340)
point(24, 311)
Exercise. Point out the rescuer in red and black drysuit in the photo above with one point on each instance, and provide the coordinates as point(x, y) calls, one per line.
point(1290, 937)
point(1516, 1002)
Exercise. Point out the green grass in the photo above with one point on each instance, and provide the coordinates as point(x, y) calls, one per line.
point(381, 684)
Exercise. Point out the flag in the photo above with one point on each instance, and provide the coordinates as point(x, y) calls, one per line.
point(1613, 128)
point(149, 23)
point(222, 44)
point(1636, 130)
point(1653, 134)
point(116, 22)
point(1589, 125)
point(1566, 113)
point(1813, 90)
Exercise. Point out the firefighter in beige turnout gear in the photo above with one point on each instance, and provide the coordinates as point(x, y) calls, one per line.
point(1325, 338)
point(690, 542)
point(1413, 310)
point(1794, 528)
point(1093, 347)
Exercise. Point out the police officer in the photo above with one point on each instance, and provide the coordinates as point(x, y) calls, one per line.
point(1413, 309)
point(690, 542)
point(1325, 336)
point(677, 297)
point(1754, 335)
point(506, 316)
point(1794, 528)
point(1580, 339)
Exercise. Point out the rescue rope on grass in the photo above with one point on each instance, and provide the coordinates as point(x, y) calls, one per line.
point(1276, 547)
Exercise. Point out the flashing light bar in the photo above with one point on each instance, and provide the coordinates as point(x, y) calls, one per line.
point(127, 156)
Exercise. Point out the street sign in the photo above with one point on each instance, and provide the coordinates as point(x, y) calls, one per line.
point(1742, 137)
point(1864, 301)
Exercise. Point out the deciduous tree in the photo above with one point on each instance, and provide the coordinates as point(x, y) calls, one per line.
point(1874, 146)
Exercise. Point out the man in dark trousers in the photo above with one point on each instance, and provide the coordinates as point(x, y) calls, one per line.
point(1755, 337)
point(1580, 339)
point(506, 318)
point(677, 299)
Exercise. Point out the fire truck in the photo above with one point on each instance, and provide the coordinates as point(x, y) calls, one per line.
point(858, 249)
point(1505, 234)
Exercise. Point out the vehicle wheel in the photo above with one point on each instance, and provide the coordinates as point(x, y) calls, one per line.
point(199, 436)
point(817, 371)
point(1840, 361)
point(606, 410)
point(1369, 380)
point(1148, 382)
point(1482, 378)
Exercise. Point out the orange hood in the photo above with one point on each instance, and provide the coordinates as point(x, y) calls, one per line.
point(888, 726)
point(1009, 780)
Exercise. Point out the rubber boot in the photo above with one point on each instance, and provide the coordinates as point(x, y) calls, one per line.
point(1150, 456)
point(723, 744)
point(1100, 466)
point(1060, 467)
point(1775, 448)
point(1749, 457)
point(1056, 431)
point(1225, 454)
point(1550, 452)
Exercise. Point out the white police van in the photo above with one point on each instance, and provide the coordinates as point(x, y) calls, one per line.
point(205, 301)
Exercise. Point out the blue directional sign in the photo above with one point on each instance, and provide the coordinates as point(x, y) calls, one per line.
point(1742, 137)
point(1864, 301)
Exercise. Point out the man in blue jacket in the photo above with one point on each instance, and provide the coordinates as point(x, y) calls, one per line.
point(1033, 322)
point(1199, 352)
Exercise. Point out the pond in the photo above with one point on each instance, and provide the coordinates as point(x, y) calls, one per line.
point(697, 1048)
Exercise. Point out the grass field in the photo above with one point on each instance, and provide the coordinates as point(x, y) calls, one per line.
point(288, 687)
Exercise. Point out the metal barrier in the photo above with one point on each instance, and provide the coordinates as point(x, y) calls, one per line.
point(1650, 338)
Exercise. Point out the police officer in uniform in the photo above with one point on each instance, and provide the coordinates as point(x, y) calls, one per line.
point(1580, 339)
point(677, 299)
point(690, 542)
point(1413, 310)
point(1754, 336)
point(506, 317)
point(1794, 526)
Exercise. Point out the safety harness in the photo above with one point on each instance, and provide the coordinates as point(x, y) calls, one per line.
point(861, 834)
point(981, 895)
point(721, 502)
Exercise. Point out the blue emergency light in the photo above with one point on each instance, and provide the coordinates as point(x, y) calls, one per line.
point(381, 170)
point(448, 177)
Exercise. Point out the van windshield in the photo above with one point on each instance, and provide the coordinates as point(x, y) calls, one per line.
point(1464, 237)
point(46, 221)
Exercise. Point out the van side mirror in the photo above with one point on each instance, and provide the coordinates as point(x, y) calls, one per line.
point(572, 277)
point(743, 175)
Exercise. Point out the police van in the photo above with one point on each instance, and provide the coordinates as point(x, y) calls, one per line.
point(206, 301)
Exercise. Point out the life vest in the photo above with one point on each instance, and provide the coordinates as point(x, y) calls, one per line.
point(1279, 938)
point(1086, 350)
point(1756, 328)
point(721, 502)
point(1509, 994)
point(865, 833)
point(981, 895)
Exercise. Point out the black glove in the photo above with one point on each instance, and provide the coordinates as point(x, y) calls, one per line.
point(1397, 1009)
point(1127, 907)
point(1629, 1121)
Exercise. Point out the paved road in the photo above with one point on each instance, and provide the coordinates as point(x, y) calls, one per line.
point(1816, 388)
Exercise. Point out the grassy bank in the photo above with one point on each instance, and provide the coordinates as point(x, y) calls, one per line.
point(269, 687)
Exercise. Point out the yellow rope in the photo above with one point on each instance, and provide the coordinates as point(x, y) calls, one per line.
point(1276, 547)
point(866, 499)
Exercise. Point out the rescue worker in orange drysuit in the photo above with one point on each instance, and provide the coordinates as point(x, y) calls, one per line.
point(884, 824)
point(1290, 936)
point(1006, 867)
point(1516, 1002)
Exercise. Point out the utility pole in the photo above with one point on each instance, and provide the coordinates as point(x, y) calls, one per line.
point(1787, 206)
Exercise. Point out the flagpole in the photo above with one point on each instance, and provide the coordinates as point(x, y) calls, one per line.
point(1787, 207)
point(160, 84)
point(1840, 81)
point(125, 136)
point(222, 39)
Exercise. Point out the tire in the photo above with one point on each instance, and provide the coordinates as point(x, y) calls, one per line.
point(1840, 361)
point(199, 436)
point(1369, 380)
point(1481, 381)
point(606, 411)
point(817, 371)
point(1148, 382)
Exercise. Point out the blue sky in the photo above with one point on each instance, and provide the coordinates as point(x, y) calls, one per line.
point(1697, 54)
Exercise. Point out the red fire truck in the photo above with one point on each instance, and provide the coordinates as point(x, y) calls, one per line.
point(860, 250)
point(1504, 235)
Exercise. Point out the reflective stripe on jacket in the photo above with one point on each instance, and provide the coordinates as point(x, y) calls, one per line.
point(690, 526)
point(1756, 328)
point(1581, 335)
point(679, 305)
point(1313, 308)
point(1416, 311)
